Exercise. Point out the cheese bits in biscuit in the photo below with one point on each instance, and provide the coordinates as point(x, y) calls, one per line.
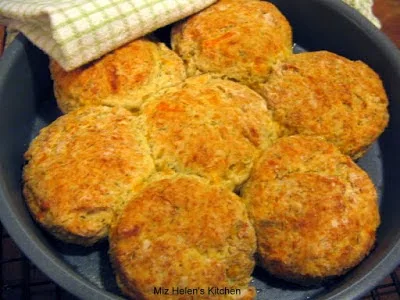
point(181, 232)
point(314, 210)
point(210, 127)
point(124, 77)
point(324, 94)
point(82, 169)
point(237, 39)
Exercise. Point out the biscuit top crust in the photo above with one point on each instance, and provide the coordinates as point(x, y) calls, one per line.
point(210, 127)
point(181, 231)
point(82, 168)
point(239, 39)
point(315, 211)
point(120, 78)
point(321, 93)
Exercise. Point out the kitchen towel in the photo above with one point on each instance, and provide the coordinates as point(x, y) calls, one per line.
point(75, 32)
point(365, 8)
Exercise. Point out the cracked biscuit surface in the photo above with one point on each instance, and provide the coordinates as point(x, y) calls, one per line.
point(121, 78)
point(81, 170)
point(180, 231)
point(314, 210)
point(210, 127)
point(239, 40)
point(321, 93)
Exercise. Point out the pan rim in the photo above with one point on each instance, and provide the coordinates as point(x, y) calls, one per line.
point(63, 274)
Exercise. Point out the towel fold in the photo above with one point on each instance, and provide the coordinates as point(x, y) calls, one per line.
point(365, 7)
point(75, 32)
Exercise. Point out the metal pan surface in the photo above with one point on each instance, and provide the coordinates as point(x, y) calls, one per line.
point(27, 104)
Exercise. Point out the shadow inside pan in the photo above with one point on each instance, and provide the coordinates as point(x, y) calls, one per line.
point(27, 104)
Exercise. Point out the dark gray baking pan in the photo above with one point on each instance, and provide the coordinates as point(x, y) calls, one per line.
point(27, 104)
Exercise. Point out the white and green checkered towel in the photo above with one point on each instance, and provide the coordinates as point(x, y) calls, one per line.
point(75, 32)
point(365, 7)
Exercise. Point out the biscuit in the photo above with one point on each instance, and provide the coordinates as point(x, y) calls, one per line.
point(124, 77)
point(237, 39)
point(181, 232)
point(210, 127)
point(321, 93)
point(82, 168)
point(314, 210)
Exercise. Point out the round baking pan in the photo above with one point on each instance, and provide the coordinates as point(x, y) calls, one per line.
point(27, 104)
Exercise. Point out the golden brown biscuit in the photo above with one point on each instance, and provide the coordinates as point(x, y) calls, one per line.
point(82, 168)
point(181, 232)
point(314, 210)
point(210, 127)
point(321, 93)
point(123, 77)
point(238, 39)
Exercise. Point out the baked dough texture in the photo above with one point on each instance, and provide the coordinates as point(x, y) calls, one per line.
point(314, 210)
point(124, 77)
point(82, 169)
point(182, 232)
point(210, 127)
point(324, 94)
point(237, 39)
